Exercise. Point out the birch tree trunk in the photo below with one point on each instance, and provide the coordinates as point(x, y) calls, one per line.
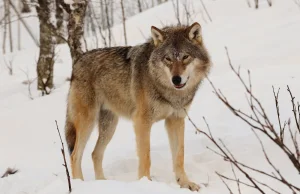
point(46, 57)
point(59, 14)
point(76, 29)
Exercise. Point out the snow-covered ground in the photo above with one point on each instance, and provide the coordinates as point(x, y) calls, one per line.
point(266, 41)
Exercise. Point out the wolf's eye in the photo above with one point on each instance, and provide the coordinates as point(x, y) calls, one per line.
point(168, 59)
point(185, 57)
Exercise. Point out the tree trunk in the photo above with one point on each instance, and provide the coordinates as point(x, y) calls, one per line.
point(124, 22)
point(103, 22)
point(5, 26)
point(24, 23)
point(93, 25)
point(46, 57)
point(112, 13)
point(75, 29)
point(139, 5)
point(256, 4)
point(19, 29)
point(59, 14)
point(25, 7)
point(9, 28)
point(108, 22)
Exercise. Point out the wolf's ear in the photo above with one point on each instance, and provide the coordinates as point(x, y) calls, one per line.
point(194, 33)
point(157, 35)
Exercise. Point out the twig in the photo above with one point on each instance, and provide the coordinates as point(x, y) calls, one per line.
point(294, 108)
point(203, 5)
point(29, 82)
point(225, 155)
point(292, 187)
point(294, 140)
point(24, 23)
point(260, 120)
point(221, 177)
point(65, 162)
point(9, 171)
point(234, 180)
point(276, 96)
point(238, 181)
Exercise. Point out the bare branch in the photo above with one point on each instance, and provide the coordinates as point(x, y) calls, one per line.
point(294, 108)
point(64, 157)
point(9, 171)
point(222, 177)
point(259, 121)
point(276, 96)
point(204, 7)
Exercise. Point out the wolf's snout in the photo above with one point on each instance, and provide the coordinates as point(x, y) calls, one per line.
point(176, 80)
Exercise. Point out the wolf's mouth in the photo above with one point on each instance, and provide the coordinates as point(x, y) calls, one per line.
point(180, 86)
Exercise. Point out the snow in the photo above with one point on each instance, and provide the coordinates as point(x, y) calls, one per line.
point(69, 2)
point(266, 41)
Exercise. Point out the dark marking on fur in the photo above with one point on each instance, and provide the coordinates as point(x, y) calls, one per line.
point(70, 134)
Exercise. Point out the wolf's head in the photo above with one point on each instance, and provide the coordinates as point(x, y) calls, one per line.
point(179, 59)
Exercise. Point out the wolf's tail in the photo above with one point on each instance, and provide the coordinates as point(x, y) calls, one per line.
point(70, 134)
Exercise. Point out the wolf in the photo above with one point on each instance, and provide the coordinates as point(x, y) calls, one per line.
point(153, 81)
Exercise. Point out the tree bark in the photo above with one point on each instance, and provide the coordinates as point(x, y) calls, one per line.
point(25, 7)
point(46, 56)
point(76, 29)
point(59, 14)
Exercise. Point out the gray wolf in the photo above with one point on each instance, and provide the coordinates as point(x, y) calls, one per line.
point(146, 83)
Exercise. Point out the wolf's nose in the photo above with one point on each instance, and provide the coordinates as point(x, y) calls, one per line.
point(176, 80)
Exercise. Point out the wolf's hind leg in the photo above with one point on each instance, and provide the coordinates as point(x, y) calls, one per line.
point(175, 129)
point(107, 125)
point(81, 119)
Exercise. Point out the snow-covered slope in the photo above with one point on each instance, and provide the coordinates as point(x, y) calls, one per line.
point(266, 41)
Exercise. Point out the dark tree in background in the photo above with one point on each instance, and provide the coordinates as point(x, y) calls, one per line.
point(59, 14)
point(46, 56)
point(139, 5)
point(25, 7)
point(124, 21)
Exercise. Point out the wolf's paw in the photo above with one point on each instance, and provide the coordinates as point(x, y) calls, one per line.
point(146, 177)
point(101, 178)
point(189, 185)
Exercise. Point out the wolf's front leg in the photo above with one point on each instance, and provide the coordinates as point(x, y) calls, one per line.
point(142, 127)
point(175, 129)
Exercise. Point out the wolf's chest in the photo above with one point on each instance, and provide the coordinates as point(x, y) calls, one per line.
point(163, 111)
